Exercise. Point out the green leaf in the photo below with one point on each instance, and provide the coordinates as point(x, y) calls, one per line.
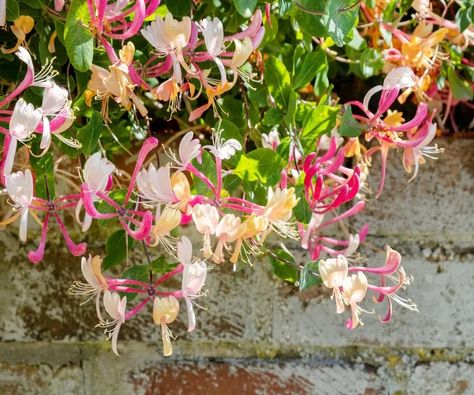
point(179, 7)
point(13, 11)
point(272, 117)
point(79, 41)
point(309, 276)
point(462, 90)
point(89, 135)
point(302, 211)
point(371, 62)
point(44, 170)
point(284, 265)
point(278, 81)
point(314, 63)
point(244, 7)
point(161, 266)
point(207, 167)
point(262, 165)
point(116, 248)
point(291, 109)
point(342, 17)
point(284, 6)
point(465, 15)
point(310, 16)
point(350, 127)
point(319, 121)
point(136, 272)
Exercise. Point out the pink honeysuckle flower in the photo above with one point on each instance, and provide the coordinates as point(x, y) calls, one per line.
point(165, 311)
point(23, 122)
point(59, 5)
point(206, 219)
point(334, 272)
point(391, 267)
point(97, 174)
point(115, 307)
point(194, 277)
point(227, 231)
point(110, 19)
point(125, 215)
point(95, 284)
point(20, 189)
point(155, 186)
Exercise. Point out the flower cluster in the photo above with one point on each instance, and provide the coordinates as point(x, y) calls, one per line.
point(285, 161)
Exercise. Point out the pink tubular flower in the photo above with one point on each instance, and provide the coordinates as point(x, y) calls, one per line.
point(125, 215)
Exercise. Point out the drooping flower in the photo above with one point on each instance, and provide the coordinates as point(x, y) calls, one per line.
point(20, 189)
point(194, 277)
point(115, 307)
point(21, 27)
point(227, 231)
point(223, 149)
point(155, 185)
point(334, 272)
point(165, 311)
point(354, 291)
point(206, 218)
point(279, 208)
point(271, 140)
point(165, 222)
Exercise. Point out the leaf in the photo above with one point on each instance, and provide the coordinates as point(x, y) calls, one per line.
point(284, 265)
point(291, 109)
point(272, 117)
point(89, 135)
point(302, 211)
point(371, 62)
point(284, 6)
point(310, 17)
point(262, 165)
point(161, 266)
point(461, 89)
point(13, 11)
point(342, 17)
point(136, 272)
point(44, 170)
point(116, 247)
point(244, 7)
point(465, 15)
point(278, 81)
point(309, 276)
point(179, 7)
point(319, 121)
point(208, 168)
point(349, 126)
point(78, 40)
point(314, 63)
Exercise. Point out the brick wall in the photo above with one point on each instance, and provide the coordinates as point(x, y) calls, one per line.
point(258, 335)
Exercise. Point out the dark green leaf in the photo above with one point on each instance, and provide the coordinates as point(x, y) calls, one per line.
point(179, 8)
point(272, 117)
point(116, 248)
point(462, 90)
point(283, 265)
point(350, 127)
point(371, 62)
point(314, 63)
point(44, 170)
point(13, 11)
point(302, 211)
point(278, 81)
point(309, 275)
point(244, 7)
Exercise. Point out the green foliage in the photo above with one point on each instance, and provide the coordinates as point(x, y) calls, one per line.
point(117, 246)
point(278, 81)
point(261, 165)
point(43, 167)
point(89, 135)
point(350, 127)
point(78, 39)
point(321, 120)
point(284, 265)
point(309, 275)
point(245, 7)
point(462, 90)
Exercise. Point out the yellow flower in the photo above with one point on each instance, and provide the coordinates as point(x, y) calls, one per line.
point(21, 27)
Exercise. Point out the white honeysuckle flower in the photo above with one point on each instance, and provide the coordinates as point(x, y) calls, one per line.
point(325, 140)
point(194, 277)
point(155, 185)
point(223, 149)
point(20, 189)
point(165, 311)
point(55, 101)
point(227, 231)
point(334, 272)
point(96, 174)
point(189, 148)
point(271, 140)
point(243, 49)
point(354, 291)
point(165, 222)
point(96, 283)
point(168, 35)
point(206, 218)
point(24, 120)
point(401, 77)
point(213, 32)
point(115, 307)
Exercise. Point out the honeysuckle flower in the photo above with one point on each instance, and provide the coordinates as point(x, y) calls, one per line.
point(414, 156)
point(169, 37)
point(155, 185)
point(21, 27)
point(23, 122)
point(97, 175)
point(354, 291)
point(165, 311)
point(271, 140)
point(206, 218)
point(334, 272)
point(165, 222)
point(115, 307)
point(194, 277)
point(280, 203)
point(181, 188)
point(189, 148)
point(95, 282)
point(255, 225)
point(223, 149)
point(213, 33)
point(227, 231)
point(20, 189)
